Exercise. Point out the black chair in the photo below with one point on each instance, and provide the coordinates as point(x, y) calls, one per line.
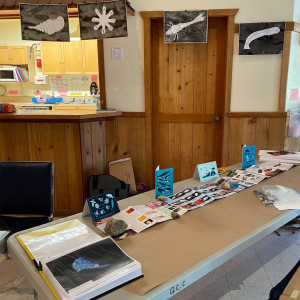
point(102, 183)
point(26, 194)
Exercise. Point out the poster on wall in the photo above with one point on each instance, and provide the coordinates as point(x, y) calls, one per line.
point(261, 38)
point(102, 20)
point(189, 26)
point(44, 22)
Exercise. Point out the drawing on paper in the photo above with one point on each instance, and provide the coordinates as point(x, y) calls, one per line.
point(260, 33)
point(96, 23)
point(261, 38)
point(103, 20)
point(47, 22)
point(185, 26)
point(50, 26)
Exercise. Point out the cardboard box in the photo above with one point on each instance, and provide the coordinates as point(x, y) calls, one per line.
point(123, 170)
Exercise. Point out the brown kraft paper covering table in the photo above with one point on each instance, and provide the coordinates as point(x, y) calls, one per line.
point(176, 253)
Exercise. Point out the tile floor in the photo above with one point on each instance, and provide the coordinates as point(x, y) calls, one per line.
point(247, 276)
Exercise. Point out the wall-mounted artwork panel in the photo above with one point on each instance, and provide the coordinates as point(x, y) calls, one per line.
point(261, 38)
point(44, 22)
point(102, 20)
point(189, 26)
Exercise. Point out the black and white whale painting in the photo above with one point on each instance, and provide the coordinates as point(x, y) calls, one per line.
point(44, 22)
point(102, 20)
point(261, 38)
point(189, 26)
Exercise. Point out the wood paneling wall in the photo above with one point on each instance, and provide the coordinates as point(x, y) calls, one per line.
point(265, 130)
point(75, 148)
point(126, 137)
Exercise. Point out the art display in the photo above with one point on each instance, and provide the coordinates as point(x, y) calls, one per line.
point(206, 171)
point(248, 156)
point(103, 206)
point(261, 38)
point(189, 26)
point(164, 182)
point(44, 22)
point(102, 20)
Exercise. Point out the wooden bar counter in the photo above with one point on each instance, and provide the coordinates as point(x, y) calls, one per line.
point(74, 140)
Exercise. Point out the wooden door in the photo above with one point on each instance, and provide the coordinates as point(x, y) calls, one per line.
point(188, 96)
point(51, 58)
point(4, 55)
point(72, 54)
point(18, 55)
point(90, 51)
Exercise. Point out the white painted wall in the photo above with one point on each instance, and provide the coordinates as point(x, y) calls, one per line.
point(294, 71)
point(297, 11)
point(255, 84)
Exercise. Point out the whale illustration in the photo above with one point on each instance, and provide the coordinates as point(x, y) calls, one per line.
point(257, 34)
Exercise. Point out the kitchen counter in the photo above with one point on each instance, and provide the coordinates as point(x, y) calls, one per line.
point(75, 140)
point(59, 115)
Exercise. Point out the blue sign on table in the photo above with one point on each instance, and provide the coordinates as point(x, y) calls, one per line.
point(248, 156)
point(164, 182)
point(103, 206)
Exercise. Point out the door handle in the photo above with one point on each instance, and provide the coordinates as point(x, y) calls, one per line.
point(217, 118)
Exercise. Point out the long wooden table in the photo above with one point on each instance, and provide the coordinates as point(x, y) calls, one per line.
point(74, 140)
point(228, 226)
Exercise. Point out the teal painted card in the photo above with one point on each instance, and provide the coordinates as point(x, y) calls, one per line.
point(207, 171)
point(164, 182)
point(248, 156)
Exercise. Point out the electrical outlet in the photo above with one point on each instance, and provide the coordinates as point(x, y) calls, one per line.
point(117, 53)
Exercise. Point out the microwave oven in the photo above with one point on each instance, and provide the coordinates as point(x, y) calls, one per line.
point(8, 74)
point(11, 74)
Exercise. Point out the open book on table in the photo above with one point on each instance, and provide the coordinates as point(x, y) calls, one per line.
point(76, 262)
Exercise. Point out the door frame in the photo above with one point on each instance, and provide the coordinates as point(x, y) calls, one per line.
point(148, 16)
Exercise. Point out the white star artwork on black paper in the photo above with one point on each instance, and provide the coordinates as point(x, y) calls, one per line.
point(103, 20)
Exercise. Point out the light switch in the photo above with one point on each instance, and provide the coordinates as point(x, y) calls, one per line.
point(117, 53)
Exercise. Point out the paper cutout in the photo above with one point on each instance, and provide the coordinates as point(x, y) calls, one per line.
point(248, 156)
point(164, 182)
point(206, 171)
point(102, 206)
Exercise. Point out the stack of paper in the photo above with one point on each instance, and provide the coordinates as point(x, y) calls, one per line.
point(290, 157)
